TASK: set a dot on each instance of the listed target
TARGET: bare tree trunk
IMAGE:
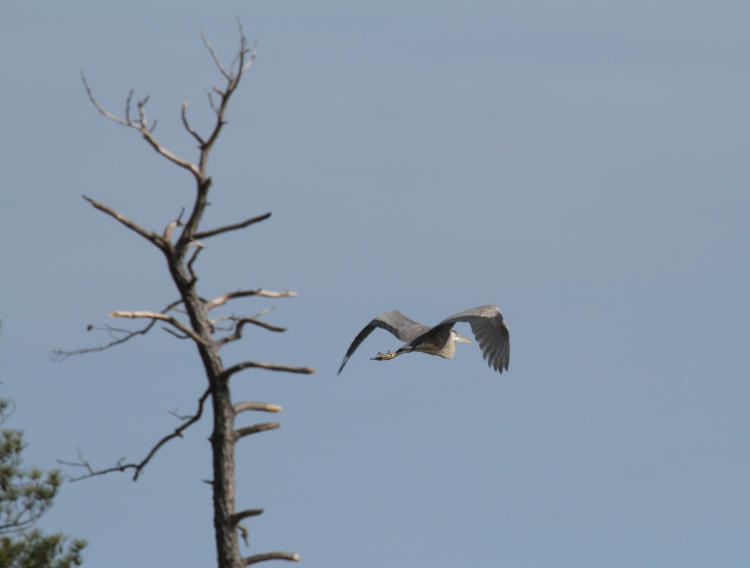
(222, 445)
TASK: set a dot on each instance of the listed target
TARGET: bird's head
(458, 338)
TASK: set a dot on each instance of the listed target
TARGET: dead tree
(190, 316)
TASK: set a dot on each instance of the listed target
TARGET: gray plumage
(486, 323)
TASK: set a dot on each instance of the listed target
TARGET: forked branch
(124, 335)
(163, 317)
(142, 126)
(172, 225)
(240, 323)
(240, 64)
(121, 466)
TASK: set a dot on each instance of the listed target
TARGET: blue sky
(582, 165)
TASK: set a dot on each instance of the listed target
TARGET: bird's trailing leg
(391, 354)
(383, 356)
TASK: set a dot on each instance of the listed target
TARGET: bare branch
(215, 57)
(237, 517)
(243, 51)
(262, 406)
(268, 366)
(120, 466)
(255, 428)
(157, 316)
(141, 105)
(148, 135)
(240, 322)
(261, 313)
(171, 227)
(142, 127)
(128, 99)
(291, 556)
(242, 225)
(109, 115)
(251, 59)
(91, 472)
(177, 432)
(212, 103)
(168, 230)
(60, 354)
(264, 325)
(223, 299)
(240, 57)
(233, 80)
(178, 335)
(198, 248)
(151, 236)
(186, 124)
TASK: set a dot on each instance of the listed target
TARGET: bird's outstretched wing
(394, 322)
(490, 331)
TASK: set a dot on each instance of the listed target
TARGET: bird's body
(486, 322)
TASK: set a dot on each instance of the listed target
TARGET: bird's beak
(462, 339)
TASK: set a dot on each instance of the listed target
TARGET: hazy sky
(583, 165)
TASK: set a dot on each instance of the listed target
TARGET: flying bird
(486, 322)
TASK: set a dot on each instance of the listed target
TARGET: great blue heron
(486, 322)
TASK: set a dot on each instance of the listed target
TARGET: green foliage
(34, 550)
(25, 495)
